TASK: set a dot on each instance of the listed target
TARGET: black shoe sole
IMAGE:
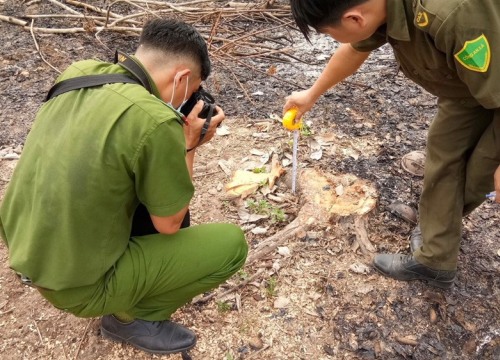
(107, 334)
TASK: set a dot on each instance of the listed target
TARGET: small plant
(305, 130)
(229, 356)
(277, 214)
(259, 207)
(223, 306)
(271, 286)
(242, 274)
(263, 207)
(259, 170)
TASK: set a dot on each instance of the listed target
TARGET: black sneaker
(405, 267)
(158, 337)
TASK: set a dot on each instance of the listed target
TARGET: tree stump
(327, 200)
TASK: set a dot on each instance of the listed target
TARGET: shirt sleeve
(162, 179)
(470, 37)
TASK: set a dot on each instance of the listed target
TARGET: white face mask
(185, 95)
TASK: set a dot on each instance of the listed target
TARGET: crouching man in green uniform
(93, 155)
(452, 49)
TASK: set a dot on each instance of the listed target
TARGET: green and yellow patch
(475, 55)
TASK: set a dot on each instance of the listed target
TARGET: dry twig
(38, 48)
(225, 26)
(234, 288)
(83, 338)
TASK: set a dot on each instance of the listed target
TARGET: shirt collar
(154, 89)
(397, 25)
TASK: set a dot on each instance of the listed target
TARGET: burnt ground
(307, 301)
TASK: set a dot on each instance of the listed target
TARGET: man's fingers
(196, 109)
(217, 119)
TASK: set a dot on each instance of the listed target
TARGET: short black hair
(317, 14)
(178, 38)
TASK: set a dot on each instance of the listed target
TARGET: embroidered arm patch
(475, 55)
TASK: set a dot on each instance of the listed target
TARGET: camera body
(208, 104)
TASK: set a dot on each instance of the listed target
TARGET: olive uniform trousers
(159, 273)
(463, 152)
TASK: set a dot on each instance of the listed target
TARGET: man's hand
(497, 184)
(302, 100)
(192, 130)
(343, 63)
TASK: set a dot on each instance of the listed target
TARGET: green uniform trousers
(159, 273)
(463, 152)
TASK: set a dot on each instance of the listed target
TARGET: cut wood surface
(325, 200)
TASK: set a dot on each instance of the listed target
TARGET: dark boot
(405, 267)
(159, 337)
(416, 240)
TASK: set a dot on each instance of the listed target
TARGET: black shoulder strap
(125, 61)
(139, 77)
(86, 82)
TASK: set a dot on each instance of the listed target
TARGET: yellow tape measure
(288, 120)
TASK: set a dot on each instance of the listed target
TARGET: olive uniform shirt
(451, 48)
(90, 158)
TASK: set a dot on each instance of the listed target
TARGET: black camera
(208, 104)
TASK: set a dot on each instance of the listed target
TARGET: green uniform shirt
(90, 158)
(449, 47)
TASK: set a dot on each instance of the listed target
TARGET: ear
(354, 18)
(182, 74)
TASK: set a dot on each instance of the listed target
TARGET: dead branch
(234, 288)
(38, 48)
(92, 8)
(64, 16)
(271, 243)
(83, 338)
(65, 7)
(225, 27)
(366, 246)
(238, 82)
(81, 29)
(258, 352)
(13, 20)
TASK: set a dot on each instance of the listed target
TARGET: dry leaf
(326, 139)
(359, 268)
(247, 217)
(245, 183)
(276, 170)
(271, 70)
(316, 155)
(284, 251)
(223, 130)
(281, 302)
(259, 230)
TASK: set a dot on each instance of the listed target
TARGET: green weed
(271, 286)
(223, 306)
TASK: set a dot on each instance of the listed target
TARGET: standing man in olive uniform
(451, 48)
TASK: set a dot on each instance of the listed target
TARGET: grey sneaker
(158, 337)
(405, 267)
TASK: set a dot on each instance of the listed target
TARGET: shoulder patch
(475, 55)
(422, 19)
